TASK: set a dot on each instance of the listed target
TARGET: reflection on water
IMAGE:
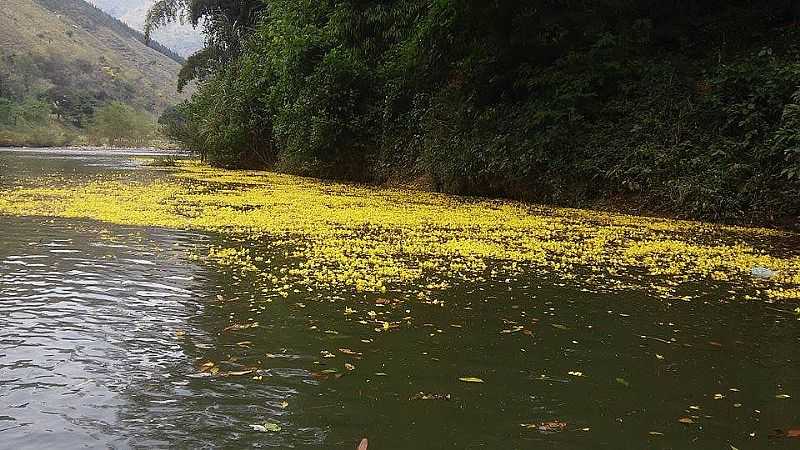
(113, 337)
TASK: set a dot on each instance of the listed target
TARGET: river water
(115, 337)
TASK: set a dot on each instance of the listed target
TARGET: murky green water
(107, 332)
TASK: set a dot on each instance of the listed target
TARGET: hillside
(182, 38)
(64, 59)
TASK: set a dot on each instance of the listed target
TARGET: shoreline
(98, 150)
(609, 205)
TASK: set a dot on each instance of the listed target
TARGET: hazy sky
(182, 38)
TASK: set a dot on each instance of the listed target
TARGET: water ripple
(88, 348)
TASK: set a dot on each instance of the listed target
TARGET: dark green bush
(689, 108)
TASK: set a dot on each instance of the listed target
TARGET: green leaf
(267, 427)
(471, 380)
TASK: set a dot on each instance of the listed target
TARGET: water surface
(117, 337)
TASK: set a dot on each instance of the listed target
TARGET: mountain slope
(182, 38)
(65, 52)
(65, 63)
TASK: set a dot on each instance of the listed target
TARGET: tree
(675, 103)
(227, 24)
(117, 124)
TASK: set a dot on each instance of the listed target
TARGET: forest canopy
(686, 107)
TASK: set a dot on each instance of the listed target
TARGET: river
(119, 336)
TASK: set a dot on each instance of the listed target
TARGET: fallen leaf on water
(789, 434)
(546, 427)
(349, 366)
(431, 396)
(471, 380)
(284, 404)
(239, 326)
(512, 330)
(347, 351)
(686, 420)
(199, 375)
(267, 427)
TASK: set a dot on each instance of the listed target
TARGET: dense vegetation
(45, 103)
(685, 107)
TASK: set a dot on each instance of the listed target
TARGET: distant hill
(182, 38)
(90, 16)
(64, 59)
(71, 46)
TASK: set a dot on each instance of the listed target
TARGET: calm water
(107, 332)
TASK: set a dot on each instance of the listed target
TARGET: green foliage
(51, 135)
(687, 107)
(786, 138)
(164, 161)
(226, 23)
(117, 124)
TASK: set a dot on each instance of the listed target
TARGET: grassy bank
(113, 125)
(44, 136)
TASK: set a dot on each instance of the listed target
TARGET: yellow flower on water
(293, 233)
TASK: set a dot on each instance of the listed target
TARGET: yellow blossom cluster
(336, 235)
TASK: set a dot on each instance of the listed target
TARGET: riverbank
(376, 240)
(89, 150)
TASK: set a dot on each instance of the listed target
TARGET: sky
(184, 39)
